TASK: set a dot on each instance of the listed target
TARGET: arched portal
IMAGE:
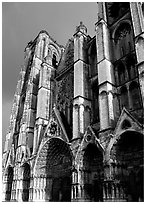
(127, 155)
(26, 182)
(55, 164)
(58, 169)
(93, 173)
(9, 183)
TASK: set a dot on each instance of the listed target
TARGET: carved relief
(64, 96)
(65, 89)
(52, 128)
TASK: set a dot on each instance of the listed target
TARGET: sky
(21, 23)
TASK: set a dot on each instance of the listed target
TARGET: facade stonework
(76, 126)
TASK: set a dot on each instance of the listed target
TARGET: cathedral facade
(76, 126)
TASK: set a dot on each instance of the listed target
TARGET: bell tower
(49, 52)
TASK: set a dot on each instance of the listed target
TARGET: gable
(127, 122)
(9, 158)
(55, 127)
(88, 138)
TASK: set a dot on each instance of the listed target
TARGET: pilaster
(81, 101)
(105, 71)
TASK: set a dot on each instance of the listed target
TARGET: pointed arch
(54, 162)
(54, 60)
(126, 154)
(131, 66)
(121, 72)
(89, 166)
(95, 101)
(9, 181)
(123, 29)
(123, 39)
(124, 97)
(92, 58)
(135, 95)
(93, 173)
(26, 182)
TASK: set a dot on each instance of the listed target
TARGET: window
(131, 68)
(124, 97)
(9, 175)
(26, 182)
(123, 39)
(121, 73)
(93, 59)
(142, 7)
(54, 61)
(43, 48)
(95, 102)
(135, 95)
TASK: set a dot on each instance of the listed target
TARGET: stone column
(113, 190)
(48, 189)
(74, 186)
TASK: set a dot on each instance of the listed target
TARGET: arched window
(54, 61)
(123, 31)
(9, 183)
(142, 7)
(131, 67)
(135, 95)
(124, 97)
(121, 73)
(93, 59)
(43, 47)
(123, 39)
(95, 102)
(26, 182)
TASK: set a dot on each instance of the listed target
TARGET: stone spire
(81, 28)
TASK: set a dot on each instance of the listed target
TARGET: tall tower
(33, 102)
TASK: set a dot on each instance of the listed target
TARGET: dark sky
(21, 23)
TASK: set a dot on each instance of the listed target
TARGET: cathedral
(76, 126)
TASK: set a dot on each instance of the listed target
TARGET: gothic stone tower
(76, 127)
